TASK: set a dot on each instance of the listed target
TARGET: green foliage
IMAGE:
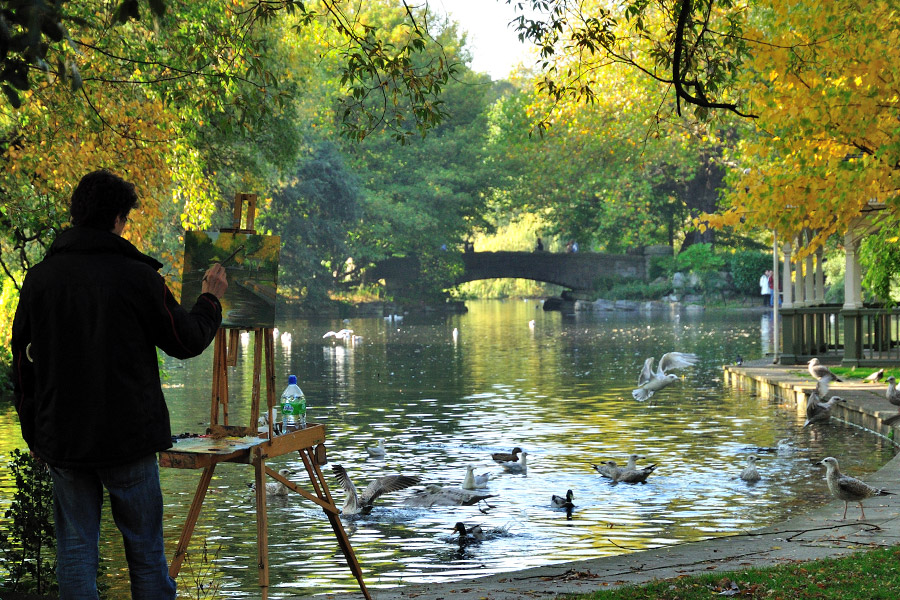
(28, 547)
(746, 267)
(637, 290)
(699, 259)
(879, 254)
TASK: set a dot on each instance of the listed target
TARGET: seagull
(875, 377)
(610, 468)
(633, 475)
(893, 394)
(286, 337)
(516, 468)
(560, 502)
(376, 451)
(356, 503)
(818, 411)
(820, 372)
(650, 381)
(507, 457)
(750, 474)
(468, 535)
(438, 495)
(276, 488)
(343, 334)
(473, 481)
(849, 489)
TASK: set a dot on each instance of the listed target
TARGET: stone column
(787, 284)
(820, 276)
(852, 273)
(809, 281)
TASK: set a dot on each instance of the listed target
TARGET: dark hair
(99, 198)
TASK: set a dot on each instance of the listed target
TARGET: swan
(650, 381)
(437, 495)
(356, 503)
(473, 481)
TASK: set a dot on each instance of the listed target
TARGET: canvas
(251, 264)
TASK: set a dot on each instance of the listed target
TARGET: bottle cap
(292, 380)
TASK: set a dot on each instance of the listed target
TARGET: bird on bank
(874, 377)
(893, 394)
(437, 495)
(822, 374)
(849, 489)
(516, 468)
(376, 451)
(750, 474)
(473, 481)
(512, 456)
(563, 502)
(818, 411)
(468, 535)
(650, 381)
(356, 503)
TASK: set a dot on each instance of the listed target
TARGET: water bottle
(293, 405)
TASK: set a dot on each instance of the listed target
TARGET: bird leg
(862, 511)
(845, 511)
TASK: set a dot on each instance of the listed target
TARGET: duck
(468, 535)
(437, 495)
(562, 502)
(356, 503)
(893, 394)
(376, 451)
(650, 381)
(750, 474)
(511, 456)
(516, 468)
(849, 489)
(473, 481)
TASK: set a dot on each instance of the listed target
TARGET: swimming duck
(516, 468)
(507, 457)
(376, 451)
(650, 381)
(560, 502)
(356, 503)
(750, 474)
(468, 535)
(438, 495)
(473, 481)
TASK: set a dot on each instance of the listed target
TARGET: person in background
(87, 389)
(764, 289)
(569, 246)
(539, 246)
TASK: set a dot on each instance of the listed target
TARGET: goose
(893, 394)
(356, 503)
(473, 481)
(275, 488)
(516, 468)
(376, 451)
(818, 411)
(849, 489)
(634, 475)
(437, 495)
(650, 381)
(511, 456)
(750, 474)
(562, 502)
(468, 535)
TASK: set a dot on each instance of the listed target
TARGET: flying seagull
(356, 503)
(437, 495)
(651, 381)
(893, 394)
(849, 489)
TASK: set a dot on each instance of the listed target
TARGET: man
(764, 289)
(88, 394)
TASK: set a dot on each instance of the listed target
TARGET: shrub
(746, 268)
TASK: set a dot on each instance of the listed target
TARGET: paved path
(817, 534)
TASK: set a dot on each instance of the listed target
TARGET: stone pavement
(817, 534)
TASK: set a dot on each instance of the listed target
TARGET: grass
(851, 373)
(871, 574)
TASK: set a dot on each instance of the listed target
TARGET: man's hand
(215, 282)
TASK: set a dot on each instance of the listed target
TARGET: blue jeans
(136, 502)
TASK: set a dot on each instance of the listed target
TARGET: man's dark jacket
(85, 368)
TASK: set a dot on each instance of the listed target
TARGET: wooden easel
(244, 444)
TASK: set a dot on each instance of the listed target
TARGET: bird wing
(351, 503)
(854, 489)
(647, 372)
(388, 483)
(676, 360)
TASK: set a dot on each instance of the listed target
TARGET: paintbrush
(227, 259)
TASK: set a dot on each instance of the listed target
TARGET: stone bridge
(580, 272)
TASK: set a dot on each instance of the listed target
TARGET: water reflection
(513, 375)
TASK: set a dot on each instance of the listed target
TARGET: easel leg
(188, 530)
(317, 480)
(262, 524)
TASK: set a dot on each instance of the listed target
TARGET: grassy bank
(872, 574)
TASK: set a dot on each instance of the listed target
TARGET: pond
(444, 392)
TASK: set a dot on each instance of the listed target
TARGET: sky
(495, 48)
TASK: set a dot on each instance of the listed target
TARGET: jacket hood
(84, 240)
